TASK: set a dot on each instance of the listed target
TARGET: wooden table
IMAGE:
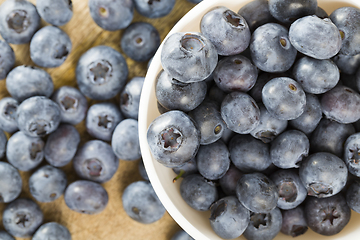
(112, 223)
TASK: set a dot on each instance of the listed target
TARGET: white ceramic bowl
(194, 222)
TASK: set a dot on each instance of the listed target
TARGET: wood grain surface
(112, 223)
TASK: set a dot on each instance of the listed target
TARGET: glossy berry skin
(229, 218)
(125, 140)
(346, 63)
(257, 192)
(3, 143)
(173, 138)
(188, 168)
(101, 73)
(55, 12)
(102, 119)
(347, 20)
(154, 8)
(175, 95)
(181, 235)
(8, 107)
(141, 203)
(270, 48)
(140, 41)
(86, 197)
(73, 104)
(294, 223)
(47, 183)
(352, 196)
(289, 149)
(311, 116)
(235, 73)
(288, 11)
(5, 236)
(10, 183)
(229, 181)
(112, 15)
(290, 188)
(269, 126)
(19, 21)
(22, 217)
(188, 57)
(264, 226)
(7, 59)
(316, 76)
(24, 152)
(341, 104)
(142, 170)
(284, 98)
(38, 116)
(52, 230)
(231, 33)
(95, 161)
(240, 112)
(249, 154)
(323, 174)
(351, 153)
(323, 41)
(61, 145)
(130, 97)
(198, 192)
(38, 83)
(327, 216)
(209, 121)
(50, 47)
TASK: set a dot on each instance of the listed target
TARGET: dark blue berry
(8, 107)
(130, 97)
(7, 59)
(55, 12)
(10, 183)
(287, 11)
(154, 8)
(294, 223)
(52, 230)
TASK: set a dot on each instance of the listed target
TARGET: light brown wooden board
(112, 223)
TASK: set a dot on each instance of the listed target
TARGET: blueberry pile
(39, 120)
(260, 115)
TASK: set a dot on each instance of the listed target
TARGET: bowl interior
(194, 222)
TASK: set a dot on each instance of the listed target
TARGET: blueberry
(86, 197)
(10, 183)
(186, 169)
(327, 216)
(19, 21)
(101, 73)
(188, 57)
(316, 76)
(181, 235)
(5, 236)
(112, 15)
(47, 183)
(264, 226)
(38, 116)
(257, 192)
(52, 230)
(229, 181)
(3, 143)
(173, 138)
(198, 192)
(140, 40)
(7, 59)
(284, 98)
(49, 47)
(323, 174)
(227, 30)
(235, 73)
(346, 63)
(290, 188)
(95, 161)
(38, 83)
(289, 149)
(249, 154)
(347, 20)
(351, 153)
(141, 203)
(102, 119)
(294, 223)
(240, 112)
(352, 196)
(154, 8)
(55, 12)
(271, 50)
(125, 140)
(61, 145)
(8, 107)
(130, 97)
(22, 217)
(175, 95)
(289, 10)
(73, 104)
(322, 41)
(229, 218)
(24, 152)
(142, 170)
